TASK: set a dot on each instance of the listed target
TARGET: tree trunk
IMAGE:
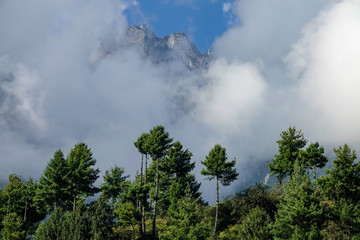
(217, 206)
(141, 189)
(144, 198)
(314, 172)
(8, 207)
(156, 197)
(26, 206)
(74, 204)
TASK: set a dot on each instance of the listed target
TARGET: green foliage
(341, 187)
(255, 226)
(299, 214)
(159, 142)
(12, 227)
(289, 146)
(142, 144)
(54, 189)
(184, 222)
(343, 179)
(82, 175)
(313, 157)
(216, 166)
(128, 215)
(114, 183)
(14, 193)
(101, 220)
(63, 225)
(178, 161)
(235, 208)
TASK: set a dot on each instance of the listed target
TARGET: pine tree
(142, 144)
(159, 144)
(299, 214)
(114, 184)
(313, 157)
(101, 220)
(341, 186)
(255, 226)
(82, 175)
(290, 144)
(14, 193)
(178, 163)
(216, 166)
(12, 227)
(54, 189)
(184, 222)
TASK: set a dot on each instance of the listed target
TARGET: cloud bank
(282, 63)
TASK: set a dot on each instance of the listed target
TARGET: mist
(283, 63)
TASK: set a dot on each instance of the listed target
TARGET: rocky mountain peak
(173, 47)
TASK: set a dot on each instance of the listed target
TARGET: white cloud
(227, 7)
(233, 96)
(243, 101)
(325, 64)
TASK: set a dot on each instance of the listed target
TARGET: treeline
(163, 201)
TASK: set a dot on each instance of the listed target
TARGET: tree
(255, 226)
(299, 214)
(114, 184)
(184, 222)
(159, 143)
(128, 215)
(290, 144)
(12, 227)
(178, 163)
(14, 192)
(82, 175)
(54, 189)
(258, 195)
(142, 144)
(64, 225)
(31, 215)
(216, 166)
(101, 220)
(52, 227)
(341, 186)
(313, 157)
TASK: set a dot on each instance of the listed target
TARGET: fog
(281, 64)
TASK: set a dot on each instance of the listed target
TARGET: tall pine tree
(159, 144)
(54, 189)
(82, 175)
(216, 166)
(290, 145)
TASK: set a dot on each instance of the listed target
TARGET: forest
(163, 201)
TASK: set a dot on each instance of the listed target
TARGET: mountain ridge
(173, 47)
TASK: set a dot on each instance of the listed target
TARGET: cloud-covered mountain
(285, 63)
(169, 48)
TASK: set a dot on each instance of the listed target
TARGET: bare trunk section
(25, 211)
(8, 206)
(156, 197)
(141, 188)
(314, 172)
(144, 199)
(217, 207)
(74, 204)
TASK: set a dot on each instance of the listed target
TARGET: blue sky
(201, 20)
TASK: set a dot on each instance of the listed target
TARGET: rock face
(173, 47)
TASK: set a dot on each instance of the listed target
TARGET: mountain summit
(174, 47)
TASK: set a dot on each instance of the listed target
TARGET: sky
(275, 64)
(201, 20)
